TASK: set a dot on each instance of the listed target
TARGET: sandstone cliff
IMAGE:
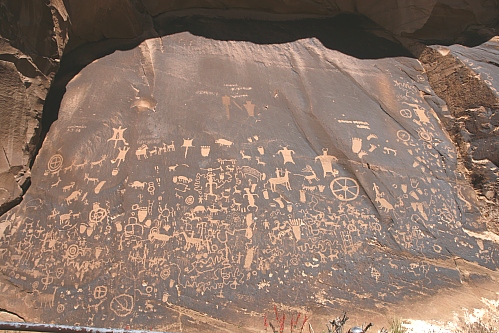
(209, 163)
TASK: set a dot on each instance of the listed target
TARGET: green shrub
(396, 326)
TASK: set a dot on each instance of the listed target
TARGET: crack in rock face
(225, 177)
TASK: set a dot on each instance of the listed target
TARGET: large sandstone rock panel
(190, 175)
(34, 36)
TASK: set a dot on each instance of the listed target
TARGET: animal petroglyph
(224, 143)
(75, 195)
(56, 183)
(244, 156)
(380, 200)
(99, 162)
(280, 180)
(137, 185)
(311, 177)
(90, 179)
(142, 152)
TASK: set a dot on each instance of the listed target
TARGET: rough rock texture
(26, 68)
(212, 170)
(35, 34)
(466, 78)
(233, 167)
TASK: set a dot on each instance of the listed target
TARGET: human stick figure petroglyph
(226, 103)
(187, 144)
(121, 156)
(287, 155)
(327, 163)
(118, 136)
(251, 198)
(250, 108)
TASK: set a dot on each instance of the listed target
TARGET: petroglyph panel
(188, 177)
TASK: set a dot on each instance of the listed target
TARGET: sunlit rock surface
(195, 174)
(34, 36)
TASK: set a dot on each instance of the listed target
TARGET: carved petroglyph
(142, 152)
(121, 156)
(55, 163)
(75, 195)
(287, 155)
(118, 136)
(232, 214)
(280, 180)
(381, 201)
(311, 176)
(224, 143)
(344, 188)
(327, 163)
(187, 144)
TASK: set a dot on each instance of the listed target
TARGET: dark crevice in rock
(350, 34)
(447, 25)
(9, 205)
(23, 65)
(472, 121)
(11, 313)
(336, 33)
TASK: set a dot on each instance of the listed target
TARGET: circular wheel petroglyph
(97, 215)
(189, 200)
(72, 251)
(425, 136)
(55, 163)
(165, 273)
(406, 113)
(345, 188)
(403, 135)
(100, 292)
(122, 305)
